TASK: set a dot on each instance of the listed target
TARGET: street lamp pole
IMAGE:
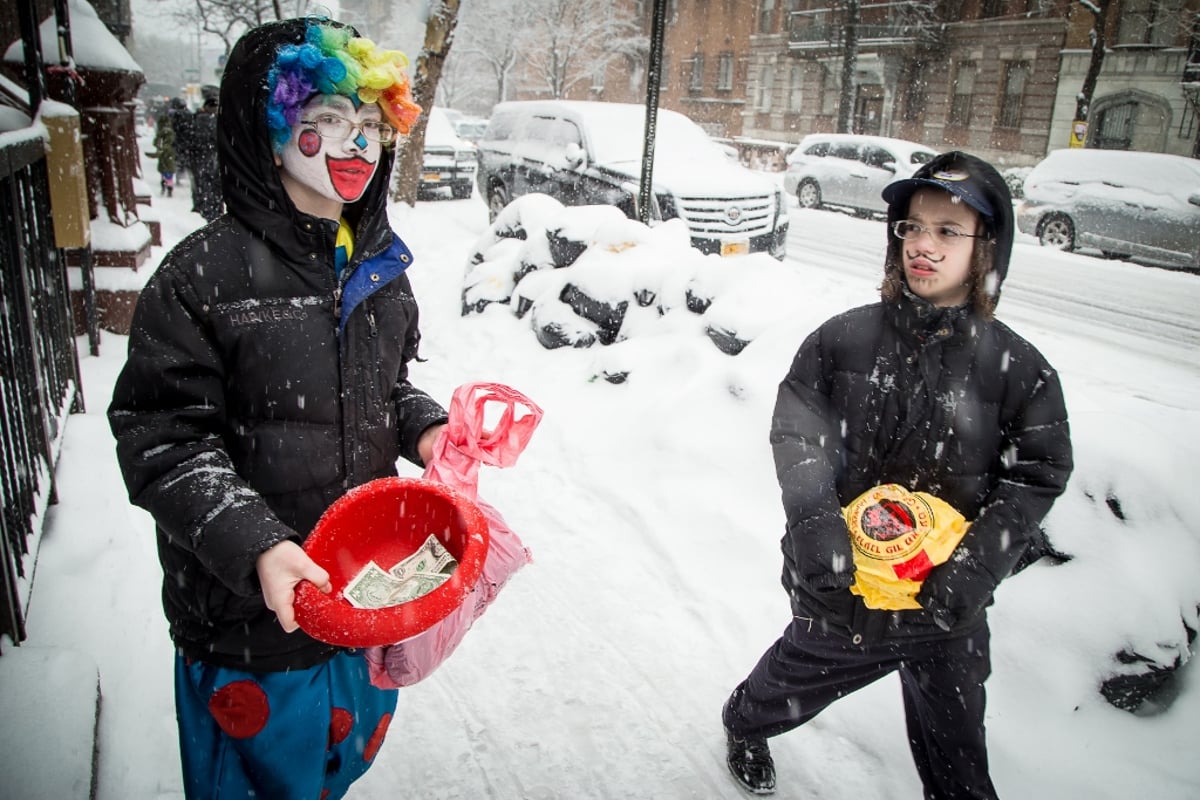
(653, 83)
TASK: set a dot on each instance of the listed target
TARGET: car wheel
(1058, 232)
(497, 200)
(809, 194)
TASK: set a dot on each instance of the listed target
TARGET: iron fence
(39, 367)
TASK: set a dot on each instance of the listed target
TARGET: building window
(725, 72)
(914, 103)
(1016, 77)
(831, 88)
(696, 79)
(963, 91)
(635, 68)
(766, 16)
(1148, 22)
(766, 85)
(796, 88)
(991, 8)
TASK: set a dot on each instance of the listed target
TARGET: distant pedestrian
(164, 146)
(181, 123)
(206, 192)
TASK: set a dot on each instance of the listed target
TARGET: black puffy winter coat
(259, 387)
(937, 400)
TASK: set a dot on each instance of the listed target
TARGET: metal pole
(653, 82)
(31, 38)
(845, 120)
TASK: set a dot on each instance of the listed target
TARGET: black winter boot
(750, 763)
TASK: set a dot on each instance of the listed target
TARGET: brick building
(997, 77)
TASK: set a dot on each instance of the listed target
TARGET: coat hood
(975, 182)
(250, 181)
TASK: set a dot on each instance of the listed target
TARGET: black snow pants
(810, 666)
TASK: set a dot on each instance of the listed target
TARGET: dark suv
(585, 153)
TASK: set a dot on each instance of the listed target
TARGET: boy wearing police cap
(927, 391)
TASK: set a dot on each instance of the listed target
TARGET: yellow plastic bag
(898, 537)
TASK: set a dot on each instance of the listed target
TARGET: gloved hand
(956, 592)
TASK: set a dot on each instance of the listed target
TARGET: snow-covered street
(653, 515)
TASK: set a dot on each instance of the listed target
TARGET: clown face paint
(321, 174)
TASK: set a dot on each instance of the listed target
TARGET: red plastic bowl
(384, 521)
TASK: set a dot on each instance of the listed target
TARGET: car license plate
(431, 177)
(735, 248)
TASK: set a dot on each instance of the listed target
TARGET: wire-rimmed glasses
(335, 126)
(950, 235)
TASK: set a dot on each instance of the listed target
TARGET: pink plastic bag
(460, 448)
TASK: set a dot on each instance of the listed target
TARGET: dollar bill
(417, 575)
(430, 557)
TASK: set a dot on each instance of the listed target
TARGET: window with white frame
(696, 78)
(796, 88)
(725, 72)
(766, 85)
(831, 87)
(766, 16)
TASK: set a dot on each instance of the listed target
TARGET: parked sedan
(849, 170)
(449, 161)
(1144, 206)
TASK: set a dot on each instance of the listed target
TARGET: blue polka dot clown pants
(299, 735)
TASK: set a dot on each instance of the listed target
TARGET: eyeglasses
(332, 126)
(941, 234)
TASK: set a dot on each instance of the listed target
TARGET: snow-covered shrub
(589, 274)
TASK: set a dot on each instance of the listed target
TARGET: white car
(1144, 206)
(850, 171)
(449, 162)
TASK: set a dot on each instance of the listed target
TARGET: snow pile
(586, 275)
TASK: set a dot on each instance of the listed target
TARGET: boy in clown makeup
(267, 375)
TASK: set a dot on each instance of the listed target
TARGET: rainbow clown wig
(334, 61)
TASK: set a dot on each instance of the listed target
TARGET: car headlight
(461, 156)
(666, 206)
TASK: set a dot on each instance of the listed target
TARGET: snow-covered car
(589, 153)
(849, 170)
(470, 129)
(1144, 206)
(449, 161)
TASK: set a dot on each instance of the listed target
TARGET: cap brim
(900, 192)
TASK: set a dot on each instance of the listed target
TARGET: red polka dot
(324, 794)
(340, 723)
(308, 143)
(240, 708)
(376, 740)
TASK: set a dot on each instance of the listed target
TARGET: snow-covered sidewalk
(653, 515)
